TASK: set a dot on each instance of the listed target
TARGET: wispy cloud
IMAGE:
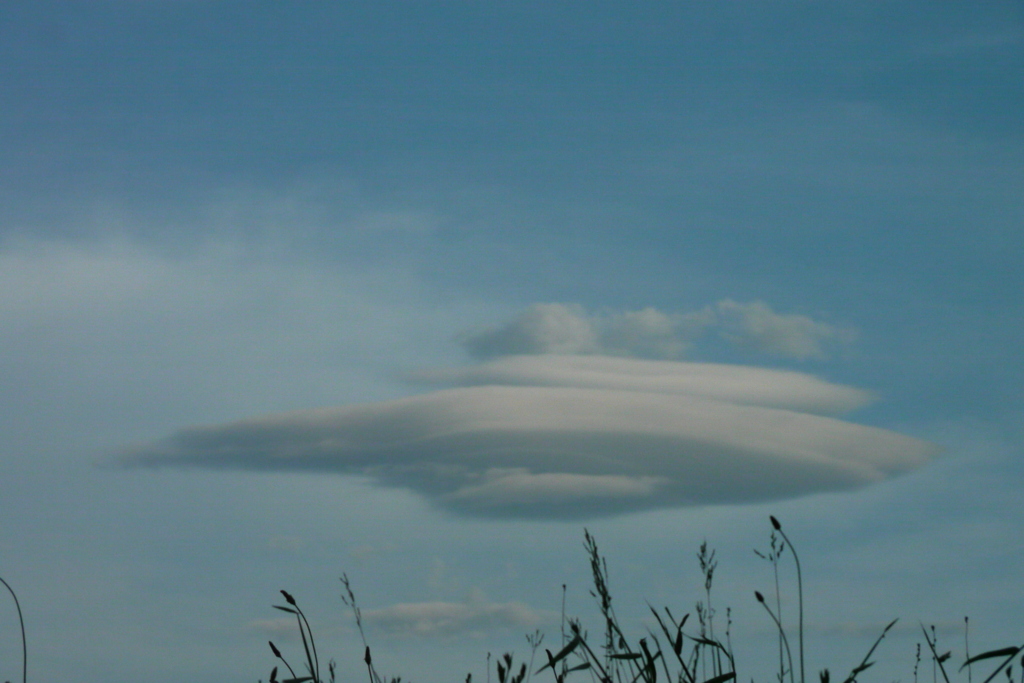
(576, 437)
(222, 328)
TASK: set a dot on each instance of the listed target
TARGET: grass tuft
(687, 656)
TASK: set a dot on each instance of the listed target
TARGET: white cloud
(557, 328)
(576, 450)
(474, 617)
(757, 326)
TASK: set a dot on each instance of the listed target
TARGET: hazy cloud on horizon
(474, 616)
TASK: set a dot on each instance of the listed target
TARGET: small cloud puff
(556, 328)
(474, 617)
(575, 437)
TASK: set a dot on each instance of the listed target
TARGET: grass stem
(800, 592)
(24, 643)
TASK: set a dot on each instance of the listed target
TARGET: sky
(416, 292)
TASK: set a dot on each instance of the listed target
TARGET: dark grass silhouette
(24, 643)
(673, 654)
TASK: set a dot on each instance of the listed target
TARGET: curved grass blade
(1010, 652)
(722, 678)
(1006, 662)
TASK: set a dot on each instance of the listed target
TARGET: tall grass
(671, 653)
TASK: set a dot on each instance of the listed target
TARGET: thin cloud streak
(475, 617)
(571, 452)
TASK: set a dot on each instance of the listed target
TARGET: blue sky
(408, 213)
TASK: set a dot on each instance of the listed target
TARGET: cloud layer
(575, 437)
(731, 383)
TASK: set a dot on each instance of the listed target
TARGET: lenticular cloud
(575, 437)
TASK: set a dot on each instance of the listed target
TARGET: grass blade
(722, 678)
(562, 654)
